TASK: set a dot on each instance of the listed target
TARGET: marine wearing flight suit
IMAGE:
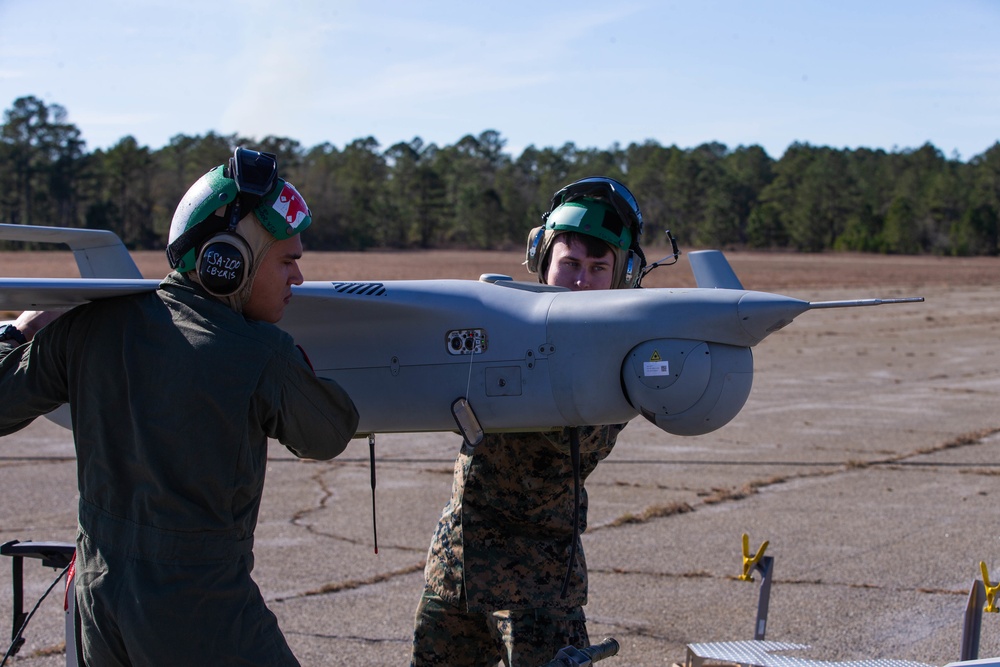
(173, 397)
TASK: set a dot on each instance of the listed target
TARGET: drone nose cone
(761, 314)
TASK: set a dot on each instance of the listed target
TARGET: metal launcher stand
(757, 562)
(758, 652)
(765, 565)
(982, 598)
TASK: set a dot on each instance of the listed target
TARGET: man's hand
(30, 321)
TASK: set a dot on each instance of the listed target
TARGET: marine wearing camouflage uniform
(500, 552)
(495, 570)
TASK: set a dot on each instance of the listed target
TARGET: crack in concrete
(648, 513)
(717, 496)
(326, 493)
(708, 498)
(702, 574)
(351, 638)
(724, 495)
(352, 584)
(17, 460)
(46, 651)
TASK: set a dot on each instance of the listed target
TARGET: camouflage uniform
(173, 398)
(499, 555)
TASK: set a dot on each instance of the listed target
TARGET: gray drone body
(516, 356)
(528, 357)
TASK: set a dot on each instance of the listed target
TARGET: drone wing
(106, 269)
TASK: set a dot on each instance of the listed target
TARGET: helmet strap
(193, 236)
(233, 214)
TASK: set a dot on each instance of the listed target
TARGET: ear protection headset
(533, 258)
(203, 233)
(583, 206)
(634, 263)
(224, 263)
(225, 260)
(539, 247)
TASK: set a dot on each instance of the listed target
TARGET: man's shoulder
(218, 318)
(270, 334)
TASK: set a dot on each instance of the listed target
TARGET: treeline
(474, 195)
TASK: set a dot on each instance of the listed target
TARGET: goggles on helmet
(605, 189)
(254, 172)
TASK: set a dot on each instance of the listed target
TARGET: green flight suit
(173, 397)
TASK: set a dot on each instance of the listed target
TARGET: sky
(889, 74)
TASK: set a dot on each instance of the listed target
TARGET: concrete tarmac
(867, 456)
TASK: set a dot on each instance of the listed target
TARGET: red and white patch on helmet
(291, 206)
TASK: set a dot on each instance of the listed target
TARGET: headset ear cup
(640, 266)
(631, 269)
(224, 264)
(635, 262)
(533, 256)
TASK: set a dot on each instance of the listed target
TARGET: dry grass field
(765, 271)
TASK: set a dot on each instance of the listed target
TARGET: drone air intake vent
(362, 289)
